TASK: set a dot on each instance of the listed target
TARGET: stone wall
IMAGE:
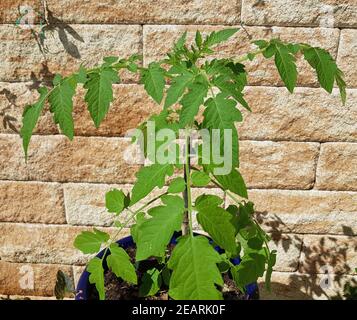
(298, 152)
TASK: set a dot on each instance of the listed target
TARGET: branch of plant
(188, 182)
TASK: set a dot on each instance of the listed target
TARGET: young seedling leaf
(151, 283)
(217, 37)
(114, 201)
(164, 221)
(285, 63)
(30, 118)
(134, 230)
(195, 272)
(153, 79)
(95, 268)
(191, 102)
(90, 242)
(99, 93)
(61, 105)
(221, 113)
(119, 262)
(249, 270)
(324, 65)
(148, 178)
(200, 179)
(177, 185)
(341, 85)
(233, 182)
(219, 223)
(177, 88)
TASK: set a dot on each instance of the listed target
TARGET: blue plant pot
(84, 287)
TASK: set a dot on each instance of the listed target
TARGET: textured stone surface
(306, 115)
(64, 50)
(326, 13)
(31, 202)
(283, 165)
(147, 11)
(299, 286)
(306, 211)
(35, 243)
(337, 167)
(288, 247)
(30, 279)
(85, 203)
(159, 39)
(337, 254)
(55, 158)
(347, 55)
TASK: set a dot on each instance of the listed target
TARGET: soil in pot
(117, 289)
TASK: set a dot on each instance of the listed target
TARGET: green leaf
(195, 272)
(233, 182)
(155, 233)
(221, 114)
(153, 79)
(134, 230)
(110, 60)
(218, 222)
(151, 283)
(245, 212)
(200, 179)
(191, 102)
(166, 275)
(30, 118)
(285, 63)
(271, 263)
(219, 36)
(198, 39)
(261, 43)
(324, 65)
(57, 79)
(119, 262)
(61, 105)
(99, 93)
(177, 88)
(114, 201)
(341, 85)
(148, 178)
(95, 268)
(249, 270)
(177, 185)
(90, 242)
(181, 41)
(81, 76)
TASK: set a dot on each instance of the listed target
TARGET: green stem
(188, 181)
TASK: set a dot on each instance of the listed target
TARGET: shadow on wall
(309, 282)
(64, 30)
(45, 76)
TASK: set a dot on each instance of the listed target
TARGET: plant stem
(187, 220)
